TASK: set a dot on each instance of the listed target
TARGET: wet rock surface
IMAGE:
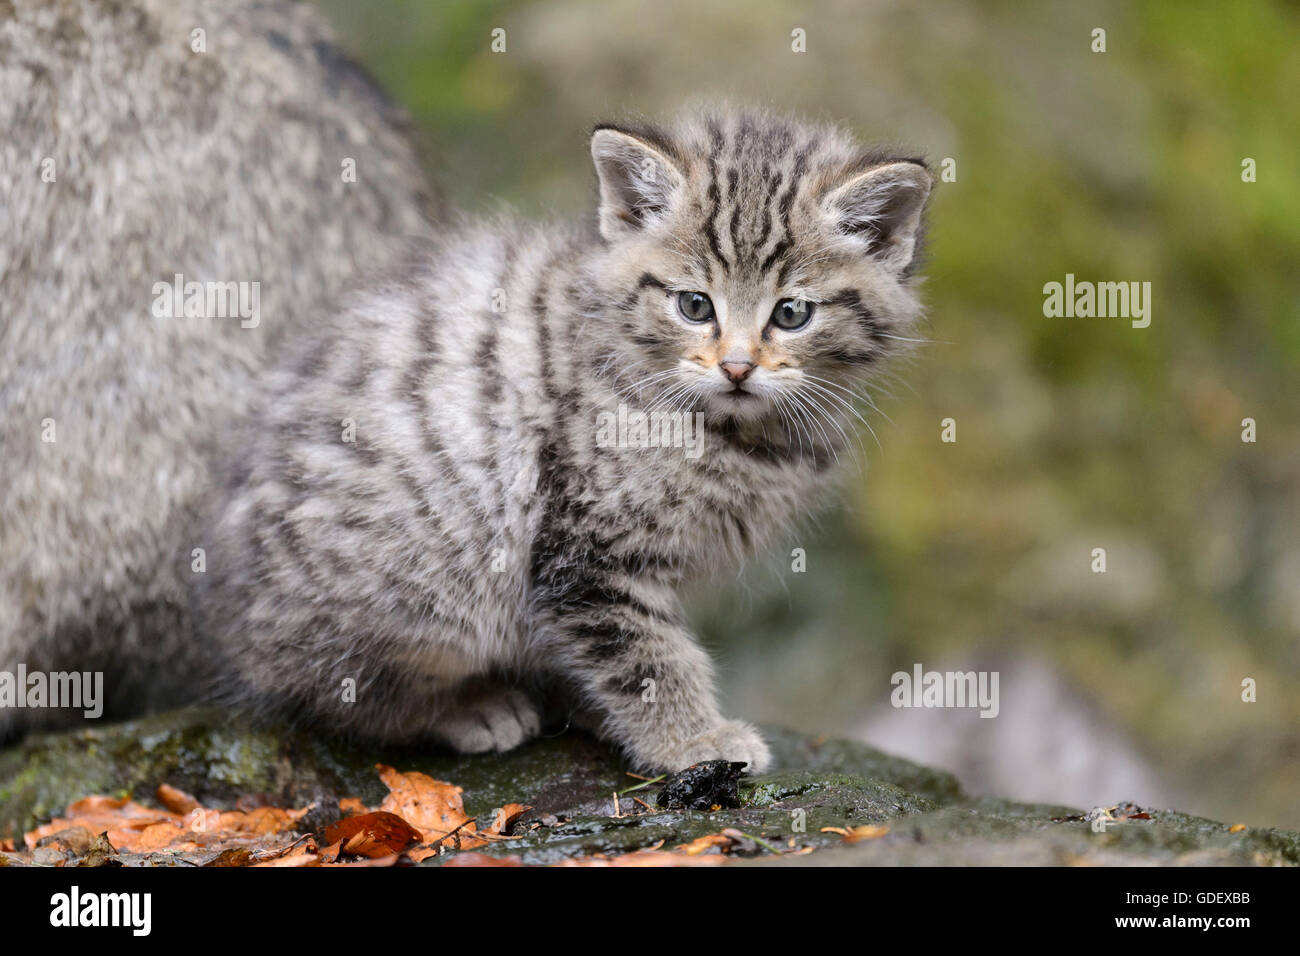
(846, 802)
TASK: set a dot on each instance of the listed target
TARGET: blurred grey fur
(224, 166)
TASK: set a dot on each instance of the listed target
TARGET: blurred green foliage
(1072, 433)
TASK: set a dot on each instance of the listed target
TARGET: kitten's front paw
(734, 740)
(498, 719)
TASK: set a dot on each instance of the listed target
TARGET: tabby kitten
(423, 529)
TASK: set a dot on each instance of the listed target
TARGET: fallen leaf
(506, 817)
(175, 800)
(351, 806)
(433, 807)
(100, 853)
(331, 853)
(75, 840)
(417, 854)
(858, 834)
(235, 856)
(704, 844)
(197, 834)
(300, 856)
(259, 822)
(377, 834)
(158, 835)
(122, 819)
(96, 803)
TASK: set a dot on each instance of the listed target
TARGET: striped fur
(475, 544)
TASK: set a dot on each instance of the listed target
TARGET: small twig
(642, 786)
(644, 804)
(761, 842)
(634, 776)
(437, 844)
(617, 811)
(280, 851)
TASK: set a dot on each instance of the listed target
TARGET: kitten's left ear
(637, 181)
(882, 207)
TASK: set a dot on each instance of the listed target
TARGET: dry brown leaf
(506, 817)
(235, 856)
(122, 819)
(704, 844)
(433, 807)
(418, 853)
(858, 834)
(176, 800)
(330, 854)
(97, 804)
(351, 806)
(157, 836)
(301, 855)
(75, 840)
(131, 827)
(262, 821)
(376, 834)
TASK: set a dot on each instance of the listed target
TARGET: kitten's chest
(708, 511)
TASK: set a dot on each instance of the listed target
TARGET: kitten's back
(224, 165)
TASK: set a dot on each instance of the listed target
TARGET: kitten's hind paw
(733, 740)
(493, 719)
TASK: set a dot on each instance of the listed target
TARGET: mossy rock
(570, 781)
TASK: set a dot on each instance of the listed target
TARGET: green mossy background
(1072, 433)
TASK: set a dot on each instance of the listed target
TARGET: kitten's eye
(695, 306)
(792, 314)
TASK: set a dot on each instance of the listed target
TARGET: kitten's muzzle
(736, 372)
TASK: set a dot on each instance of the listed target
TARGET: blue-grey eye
(792, 314)
(695, 306)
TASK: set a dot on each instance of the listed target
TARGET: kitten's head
(757, 266)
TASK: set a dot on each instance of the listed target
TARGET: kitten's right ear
(637, 181)
(882, 208)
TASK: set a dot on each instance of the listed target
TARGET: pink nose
(736, 371)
